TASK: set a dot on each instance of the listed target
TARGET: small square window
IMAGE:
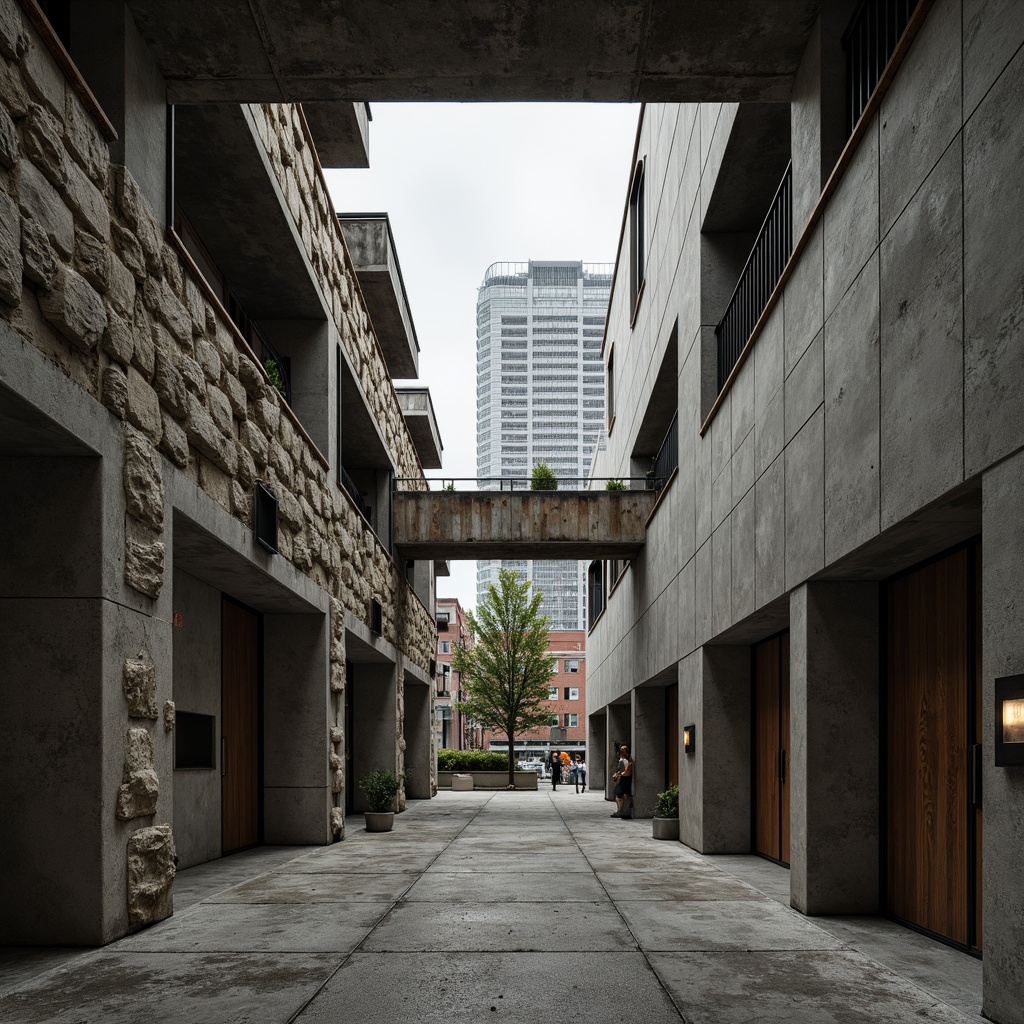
(552, 693)
(446, 647)
(572, 664)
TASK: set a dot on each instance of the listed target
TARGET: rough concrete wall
(1003, 814)
(845, 420)
(196, 688)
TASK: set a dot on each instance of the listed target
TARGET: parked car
(533, 766)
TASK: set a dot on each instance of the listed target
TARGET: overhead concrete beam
(251, 51)
(529, 524)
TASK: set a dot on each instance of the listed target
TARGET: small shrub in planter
(666, 814)
(381, 788)
(544, 478)
(615, 485)
(667, 803)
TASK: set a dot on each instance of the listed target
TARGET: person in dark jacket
(556, 768)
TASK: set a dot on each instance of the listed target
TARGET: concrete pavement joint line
(640, 949)
(348, 956)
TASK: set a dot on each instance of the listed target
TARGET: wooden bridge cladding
(528, 524)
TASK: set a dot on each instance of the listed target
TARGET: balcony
(764, 266)
(418, 411)
(372, 249)
(340, 132)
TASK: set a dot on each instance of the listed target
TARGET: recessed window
(572, 665)
(446, 647)
(570, 721)
(571, 693)
(552, 693)
(637, 236)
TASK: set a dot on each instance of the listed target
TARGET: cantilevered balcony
(418, 410)
(372, 248)
(521, 523)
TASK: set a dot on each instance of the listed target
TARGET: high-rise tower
(540, 397)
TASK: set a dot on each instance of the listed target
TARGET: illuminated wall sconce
(689, 738)
(1009, 747)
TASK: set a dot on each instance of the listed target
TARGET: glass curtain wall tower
(540, 397)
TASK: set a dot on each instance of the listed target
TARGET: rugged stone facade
(90, 278)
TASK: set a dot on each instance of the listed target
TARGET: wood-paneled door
(672, 735)
(932, 847)
(239, 726)
(771, 748)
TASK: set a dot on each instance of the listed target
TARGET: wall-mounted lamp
(1009, 747)
(689, 738)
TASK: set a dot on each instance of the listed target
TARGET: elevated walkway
(521, 523)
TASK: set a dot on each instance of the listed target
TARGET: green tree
(507, 671)
(544, 478)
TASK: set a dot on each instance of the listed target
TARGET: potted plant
(615, 485)
(381, 788)
(666, 814)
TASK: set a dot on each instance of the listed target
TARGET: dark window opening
(637, 237)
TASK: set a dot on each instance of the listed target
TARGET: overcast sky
(467, 185)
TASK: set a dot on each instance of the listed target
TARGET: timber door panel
(771, 748)
(926, 699)
(239, 727)
(784, 748)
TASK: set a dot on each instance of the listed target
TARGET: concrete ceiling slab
(24, 430)
(231, 202)
(483, 50)
(204, 556)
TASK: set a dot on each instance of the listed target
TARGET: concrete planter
(462, 783)
(379, 821)
(487, 780)
(666, 828)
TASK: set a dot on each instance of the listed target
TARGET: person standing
(623, 785)
(556, 768)
(581, 773)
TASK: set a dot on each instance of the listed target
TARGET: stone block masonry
(90, 279)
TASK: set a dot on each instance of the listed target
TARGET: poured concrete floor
(494, 906)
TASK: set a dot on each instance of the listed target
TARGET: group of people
(623, 778)
(577, 770)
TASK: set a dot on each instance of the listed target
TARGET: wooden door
(926, 757)
(771, 748)
(672, 735)
(239, 727)
(784, 748)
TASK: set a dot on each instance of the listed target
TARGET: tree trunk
(511, 758)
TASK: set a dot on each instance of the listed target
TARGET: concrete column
(648, 748)
(417, 730)
(374, 736)
(620, 730)
(834, 748)
(1003, 833)
(296, 730)
(817, 113)
(597, 744)
(722, 745)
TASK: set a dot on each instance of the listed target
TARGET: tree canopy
(507, 671)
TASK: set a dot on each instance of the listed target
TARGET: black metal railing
(869, 41)
(760, 275)
(666, 462)
(520, 483)
(356, 495)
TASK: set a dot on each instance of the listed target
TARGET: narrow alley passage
(521, 907)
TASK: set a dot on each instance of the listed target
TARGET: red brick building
(567, 703)
(452, 729)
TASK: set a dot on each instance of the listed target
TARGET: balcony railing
(666, 462)
(760, 275)
(278, 367)
(869, 41)
(356, 495)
